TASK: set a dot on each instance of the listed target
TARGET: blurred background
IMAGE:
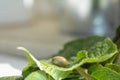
(43, 26)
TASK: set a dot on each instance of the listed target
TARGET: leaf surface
(103, 73)
(38, 75)
(99, 48)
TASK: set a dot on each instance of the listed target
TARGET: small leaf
(81, 55)
(29, 69)
(114, 67)
(104, 73)
(38, 75)
(94, 68)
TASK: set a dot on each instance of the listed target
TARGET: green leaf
(104, 73)
(111, 60)
(56, 72)
(117, 36)
(117, 42)
(117, 60)
(29, 57)
(74, 75)
(99, 48)
(94, 68)
(29, 69)
(59, 73)
(11, 78)
(38, 75)
(75, 79)
(90, 50)
(81, 55)
(32, 66)
(114, 67)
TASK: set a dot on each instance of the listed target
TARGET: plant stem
(84, 74)
(48, 77)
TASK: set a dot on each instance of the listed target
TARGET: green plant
(91, 58)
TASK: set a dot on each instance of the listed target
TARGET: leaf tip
(20, 48)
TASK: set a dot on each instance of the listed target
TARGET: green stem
(48, 77)
(84, 74)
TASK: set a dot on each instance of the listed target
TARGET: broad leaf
(56, 72)
(98, 48)
(103, 73)
(90, 50)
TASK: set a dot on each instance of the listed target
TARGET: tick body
(60, 61)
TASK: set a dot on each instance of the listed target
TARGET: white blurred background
(43, 26)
